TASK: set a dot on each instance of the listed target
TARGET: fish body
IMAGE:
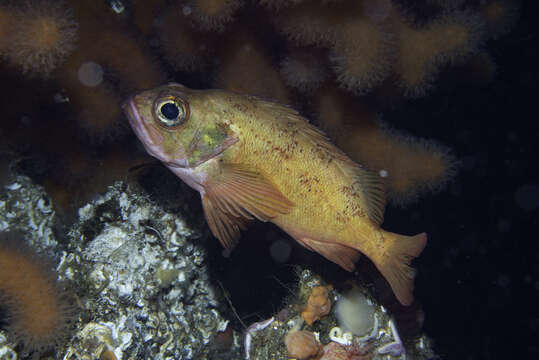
(255, 159)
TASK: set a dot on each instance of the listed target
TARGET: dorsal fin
(366, 182)
(239, 193)
(374, 194)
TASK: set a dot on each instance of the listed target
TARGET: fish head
(181, 127)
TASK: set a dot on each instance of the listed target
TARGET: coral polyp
(41, 35)
(185, 48)
(424, 49)
(364, 54)
(303, 70)
(210, 14)
(38, 313)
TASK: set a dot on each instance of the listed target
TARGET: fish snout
(131, 112)
(128, 108)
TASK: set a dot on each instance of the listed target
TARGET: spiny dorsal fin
(238, 194)
(366, 182)
(374, 194)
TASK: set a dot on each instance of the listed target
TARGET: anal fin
(341, 255)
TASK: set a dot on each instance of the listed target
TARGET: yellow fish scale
(307, 175)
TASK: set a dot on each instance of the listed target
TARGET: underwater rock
(26, 208)
(140, 277)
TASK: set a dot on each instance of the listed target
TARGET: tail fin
(394, 263)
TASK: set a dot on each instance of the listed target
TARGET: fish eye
(171, 112)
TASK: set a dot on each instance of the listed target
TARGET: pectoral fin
(341, 255)
(223, 226)
(238, 194)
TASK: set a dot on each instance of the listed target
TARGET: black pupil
(170, 111)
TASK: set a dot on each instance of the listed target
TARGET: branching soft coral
(37, 35)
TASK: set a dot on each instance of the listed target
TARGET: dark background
(479, 276)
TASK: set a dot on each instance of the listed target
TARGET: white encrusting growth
(257, 326)
(344, 338)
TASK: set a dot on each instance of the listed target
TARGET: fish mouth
(130, 110)
(137, 124)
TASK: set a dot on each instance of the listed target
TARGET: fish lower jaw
(195, 179)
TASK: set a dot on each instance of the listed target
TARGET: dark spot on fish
(240, 107)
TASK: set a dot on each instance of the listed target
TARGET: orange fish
(254, 159)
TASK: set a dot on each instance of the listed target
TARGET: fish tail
(394, 263)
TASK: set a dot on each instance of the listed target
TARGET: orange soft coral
(38, 313)
(246, 68)
(318, 305)
(39, 35)
(423, 50)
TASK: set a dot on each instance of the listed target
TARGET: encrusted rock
(138, 272)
